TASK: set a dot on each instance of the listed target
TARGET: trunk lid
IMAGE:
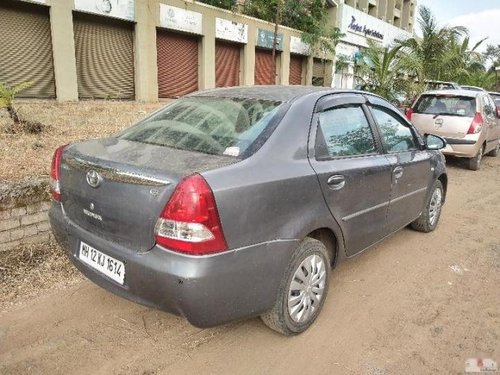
(443, 125)
(133, 183)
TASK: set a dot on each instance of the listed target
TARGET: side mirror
(434, 142)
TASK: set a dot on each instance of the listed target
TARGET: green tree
(341, 64)
(309, 16)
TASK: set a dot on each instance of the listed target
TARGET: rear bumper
(207, 290)
(462, 147)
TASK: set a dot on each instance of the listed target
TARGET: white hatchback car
(466, 119)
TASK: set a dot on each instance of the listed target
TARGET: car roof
(274, 92)
(494, 93)
(473, 87)
(433, 81)
(457, 92)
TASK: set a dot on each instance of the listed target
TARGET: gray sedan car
(233, 203)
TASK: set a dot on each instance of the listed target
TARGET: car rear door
(411, 165)
(354, 174)
(491, 121)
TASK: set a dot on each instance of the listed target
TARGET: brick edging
(24, 213)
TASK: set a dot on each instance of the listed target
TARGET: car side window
(397, 136)
(344, 131)
(488, 108)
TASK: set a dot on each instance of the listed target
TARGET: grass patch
(29, 269)
(28, 153)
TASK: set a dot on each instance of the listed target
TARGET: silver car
(467, 119)
(234, 203)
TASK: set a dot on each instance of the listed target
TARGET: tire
(475, 162)
(429, 218)
(495, 151)
(291, 316)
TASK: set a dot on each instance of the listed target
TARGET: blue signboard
(265, 39)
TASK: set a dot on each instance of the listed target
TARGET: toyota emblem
(94, 179)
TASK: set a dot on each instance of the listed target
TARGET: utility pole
(275, 40)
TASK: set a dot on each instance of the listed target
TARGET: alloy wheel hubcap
(306, 288)
(435, 206)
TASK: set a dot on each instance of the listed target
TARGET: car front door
(411, 166)
(354, 174)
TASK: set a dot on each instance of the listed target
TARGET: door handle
(336, 182)
(398, 172)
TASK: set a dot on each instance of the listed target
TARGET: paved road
(415, 304)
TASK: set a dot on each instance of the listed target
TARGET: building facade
(151, 49)
(382, 21)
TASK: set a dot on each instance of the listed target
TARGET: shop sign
(229, 30)
(181, 19)
(298, 46)
(265, 39)
(124, 9)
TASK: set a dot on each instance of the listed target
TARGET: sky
(481, 17)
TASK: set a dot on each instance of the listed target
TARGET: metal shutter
(264, 67)
(295, 70)
(177, 64)
(26, 49)
(318, 78)
(227, 64)
(104, 57)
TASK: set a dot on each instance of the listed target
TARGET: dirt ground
(415, 304)
(26, 155)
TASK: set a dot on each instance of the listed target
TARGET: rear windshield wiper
(446, 114)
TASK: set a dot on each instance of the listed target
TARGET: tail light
(55, 174)
(409, 113)
(190, 221)
(477, 124)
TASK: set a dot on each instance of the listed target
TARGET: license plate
(111, 267)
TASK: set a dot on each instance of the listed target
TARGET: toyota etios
(233, 203)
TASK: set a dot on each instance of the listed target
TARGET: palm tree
(379, 69)
(460, 60)
(426, 57)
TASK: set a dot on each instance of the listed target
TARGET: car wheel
(475, 162)
(429, 218)
(302, 291)
(495, 151)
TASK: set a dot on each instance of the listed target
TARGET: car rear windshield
(212, 125)
(450, 105)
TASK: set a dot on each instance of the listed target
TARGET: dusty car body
(218, 218)
(467, 119)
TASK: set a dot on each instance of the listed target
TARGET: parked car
(466, 119)
(441, 85)
(237, 202)
(496, 98)
(472, 88)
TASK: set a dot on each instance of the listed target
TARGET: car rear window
(450, 105)
(212, 125)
